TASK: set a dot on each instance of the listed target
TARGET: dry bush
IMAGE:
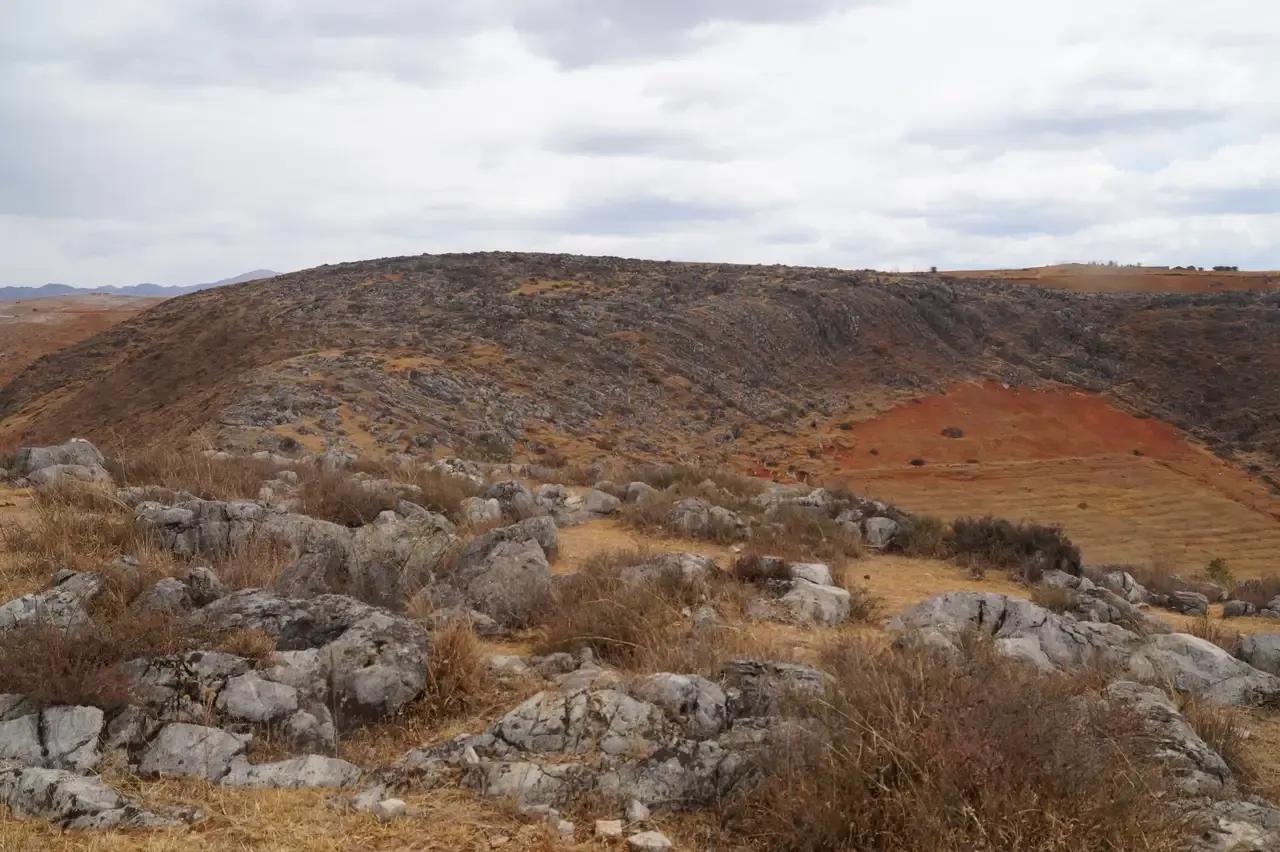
(1258, 591)
(1001, 543)
(441, 491)
(52, 666)
(638, 626)
(457, 676)
(800, 534)
(923, 537)
(238, 477)
(1054, 598)
(911, 750)
(1224, 730)
(339, 498)
(650, 514)
(689, 477)
(254, 564)
(1159, 578)
(753, 567)
(1213, 631)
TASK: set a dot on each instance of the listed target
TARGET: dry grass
(1224, 730)
(339, 498)
(690, 477)
(81, 529)
(799, 534)
(1054, 598)
(457, 677)
(1213, 631)
(1258, 591)
(238, 477)
(254, 564)
(912, 751)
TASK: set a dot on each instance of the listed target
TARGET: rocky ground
(458, 654)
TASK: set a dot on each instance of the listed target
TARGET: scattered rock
(389, 810)
(879, 532)
(74, 801)
(308, 771)
(648, 841)
(70, 736)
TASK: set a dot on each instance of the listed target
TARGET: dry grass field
(1086, 278)
(35, 327)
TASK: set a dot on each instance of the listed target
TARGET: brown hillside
(32, 328)
(582, 356)
(1093, 278)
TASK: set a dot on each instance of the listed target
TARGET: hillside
(584, 355)
(1096, 278)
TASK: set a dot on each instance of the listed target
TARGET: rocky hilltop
(507, 355)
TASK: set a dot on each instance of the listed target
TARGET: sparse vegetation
(1219, 572)
(1224, 730)
(908, 750)
(1258, 591)
(342, 499)
(1054, 598)
(925, 537)
(1214, 631)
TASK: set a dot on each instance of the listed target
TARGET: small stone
(389, 809)
(564, 828)
(637, 811)
(647, 841)
(608, 828)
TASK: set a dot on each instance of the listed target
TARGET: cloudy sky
(186, 140)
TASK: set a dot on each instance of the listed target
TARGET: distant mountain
(49, 291)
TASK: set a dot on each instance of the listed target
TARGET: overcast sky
(187, 140)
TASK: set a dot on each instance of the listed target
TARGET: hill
(31, 328)
(577, 356)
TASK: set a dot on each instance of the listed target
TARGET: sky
(188, 140)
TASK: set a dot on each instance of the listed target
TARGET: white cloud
(187, 140)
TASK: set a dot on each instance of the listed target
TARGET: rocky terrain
(392, 637)
(535, 356)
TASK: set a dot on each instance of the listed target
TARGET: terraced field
(1128, 490)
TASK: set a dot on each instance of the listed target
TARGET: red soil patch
(1004, 424)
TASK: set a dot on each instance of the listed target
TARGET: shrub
(457, 675)
(1003, 544)
(759, 570)
(52, 666)
(640, 626)
(62, 534)
(441, 492)
(1219, 572)
(339, 498)
(798, 534)
(253, 564)
(1054, 598)
(911, 750)
(690, 476)
(923, 536)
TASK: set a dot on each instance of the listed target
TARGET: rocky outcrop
(1056, 642)
(73, 801)
(62, 606)
(362, 660)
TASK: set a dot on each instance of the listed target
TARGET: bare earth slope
(30, 329)
(584, 355)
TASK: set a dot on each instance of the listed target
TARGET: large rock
(698, 705)
(599, 503)
(393, 557)
(68, 475)
(73, 801)
(810, 603)
(20, 740)
(580, 721)
(1195, 665)
(504, 573)
(308, 771)
(71, 737)
(879, 531)
(250, 698)
(1199, 770)
(181, 749)
(1020, 628)
(63, 606)
(756, 688)
(77, 451)
(368, 662)
(1262, 651)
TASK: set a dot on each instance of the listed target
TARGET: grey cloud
(637, 215)
(1261, 198)
(605, 142)
(993, 218)
(1066, 127)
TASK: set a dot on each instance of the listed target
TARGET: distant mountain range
(49, 291)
